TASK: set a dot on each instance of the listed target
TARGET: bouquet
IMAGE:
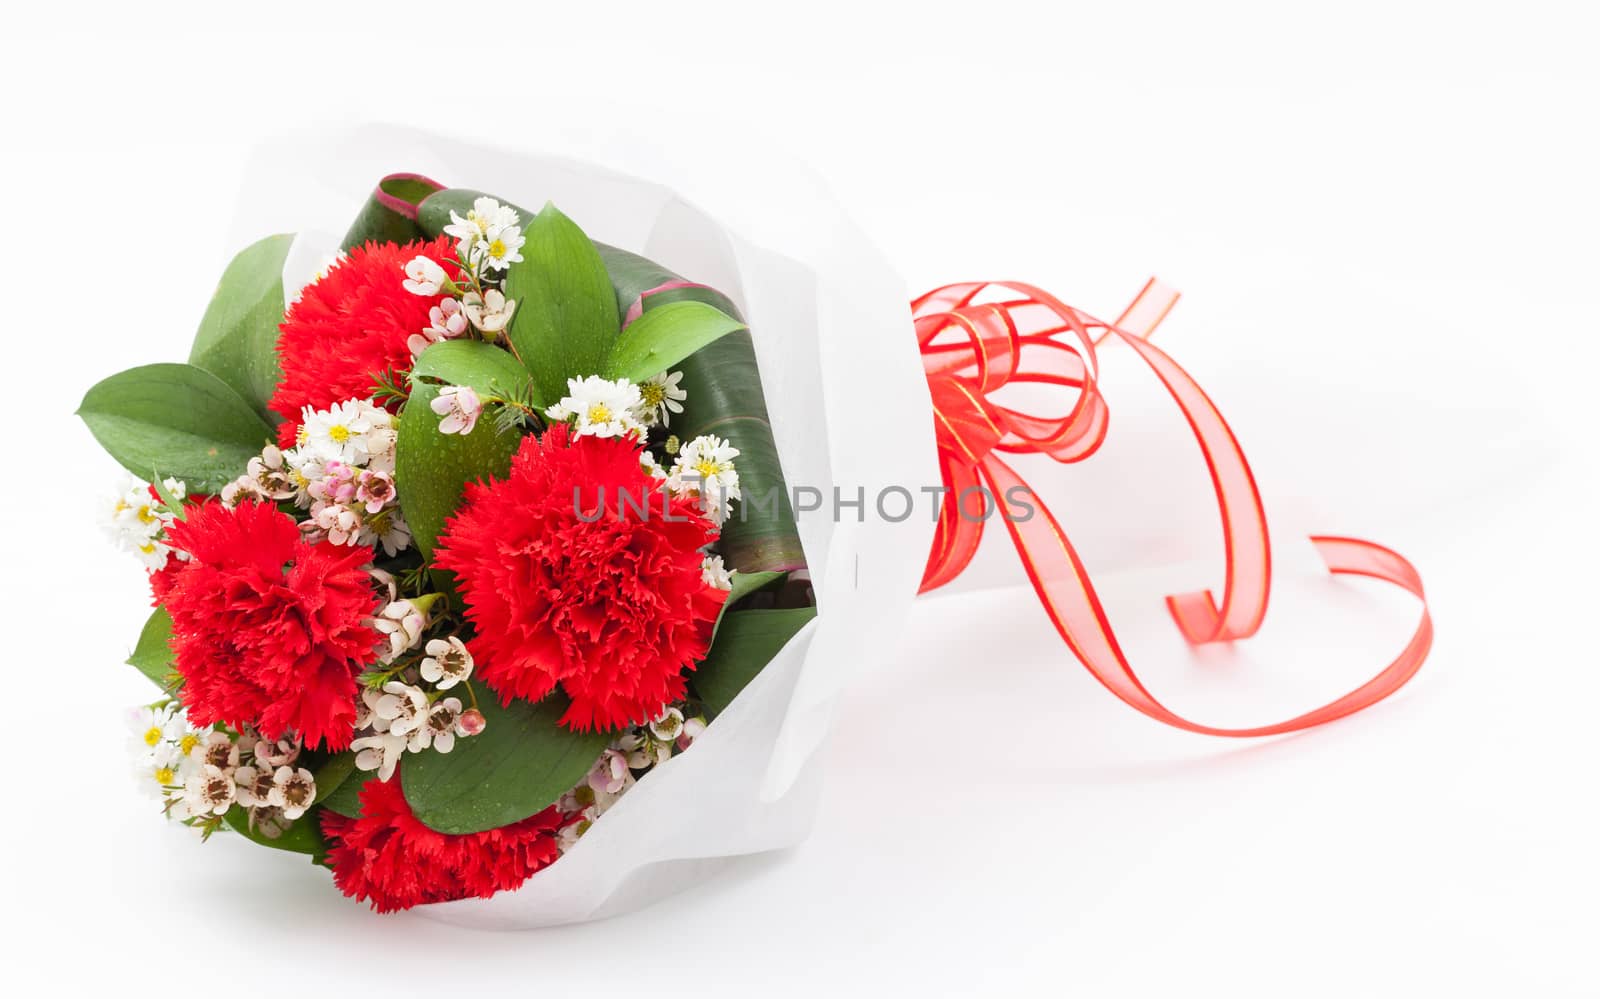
(448, 555)
(484, 555)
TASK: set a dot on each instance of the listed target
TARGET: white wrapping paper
(849, 410)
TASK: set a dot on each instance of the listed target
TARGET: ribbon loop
(973, 350)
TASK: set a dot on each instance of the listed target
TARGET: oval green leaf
(431, 468)
(665, 335)
(485, 367)
(519, 765)
(566, 319)
(238, 336)
(152, 655)
(177, 418)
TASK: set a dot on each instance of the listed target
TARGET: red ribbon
(971, 350)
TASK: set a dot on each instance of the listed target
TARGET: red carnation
(391, 858)
(350, 327)
(267, 629)
(614, 610)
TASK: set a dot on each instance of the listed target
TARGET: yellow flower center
(706, 467)
(652, 394)
(165, 776)
(497, 249)
(187, 743)
(145, 516)
(599, 413)
(339, 433)
(152, 735)
(148, 548)
(300, 435)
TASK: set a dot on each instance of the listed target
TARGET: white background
(1384, 216)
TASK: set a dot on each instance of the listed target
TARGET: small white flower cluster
(488, 239)
(342, 470)
(200, 774)
(400, 716)
(140, 519)
(715, 574)
(703, 470)
(628, 758)
(601, 407)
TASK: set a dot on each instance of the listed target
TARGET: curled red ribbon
(971, 350)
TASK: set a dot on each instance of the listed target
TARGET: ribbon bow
(971, 350)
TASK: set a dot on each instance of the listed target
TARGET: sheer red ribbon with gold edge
(972, 349)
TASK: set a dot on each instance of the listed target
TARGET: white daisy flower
(714, 573)
(155, 730)
(448, 662)
(460, 407)
(490, 312)
(345, 432)
(600, 407)
(156, 779)
(704, 469)
(293, 791)
(661, 397)
(485, 216)
(424, 277)
(500, 247)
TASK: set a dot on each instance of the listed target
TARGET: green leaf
(432, 468)
(152, 654)
(333, 773)
(665, 335)
(724, 398)
(517, 766)
(746, 642)
(177, 418)
(566, 319)
(345, 799)
(238, 336)
(302, 836)
(744, 584)
(486, 368)
(390, 214)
